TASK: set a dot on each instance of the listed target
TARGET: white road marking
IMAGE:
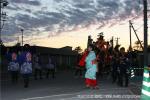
(49, 96)
(42, 97)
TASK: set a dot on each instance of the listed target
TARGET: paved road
(66, 87)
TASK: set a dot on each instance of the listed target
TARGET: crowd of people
(25, 63)
(100, 58)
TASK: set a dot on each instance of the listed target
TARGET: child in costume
(91, 69)
(13, 68)
(26, 65)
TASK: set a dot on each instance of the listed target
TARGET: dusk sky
(59, 23)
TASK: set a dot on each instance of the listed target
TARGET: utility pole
(145, 87)
(3, 3)
(145, 33)
(0, 22)
(117, 41)
(112, 42)
(136, 35)
(18, 39)
(130, 34)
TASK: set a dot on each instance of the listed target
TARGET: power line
(139, 27)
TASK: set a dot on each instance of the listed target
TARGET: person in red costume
(82, 61)
(81, 65)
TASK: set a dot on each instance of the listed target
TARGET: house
(62, 57)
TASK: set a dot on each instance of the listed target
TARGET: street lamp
(4, 2)
(22, 35)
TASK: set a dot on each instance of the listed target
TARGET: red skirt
(91, 82)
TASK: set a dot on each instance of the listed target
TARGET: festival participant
(82, 61)
(124, 68)
(50, 68)
(91, 69)
(37, 67)
(81, 65)
(26, 65)
(13, 68)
